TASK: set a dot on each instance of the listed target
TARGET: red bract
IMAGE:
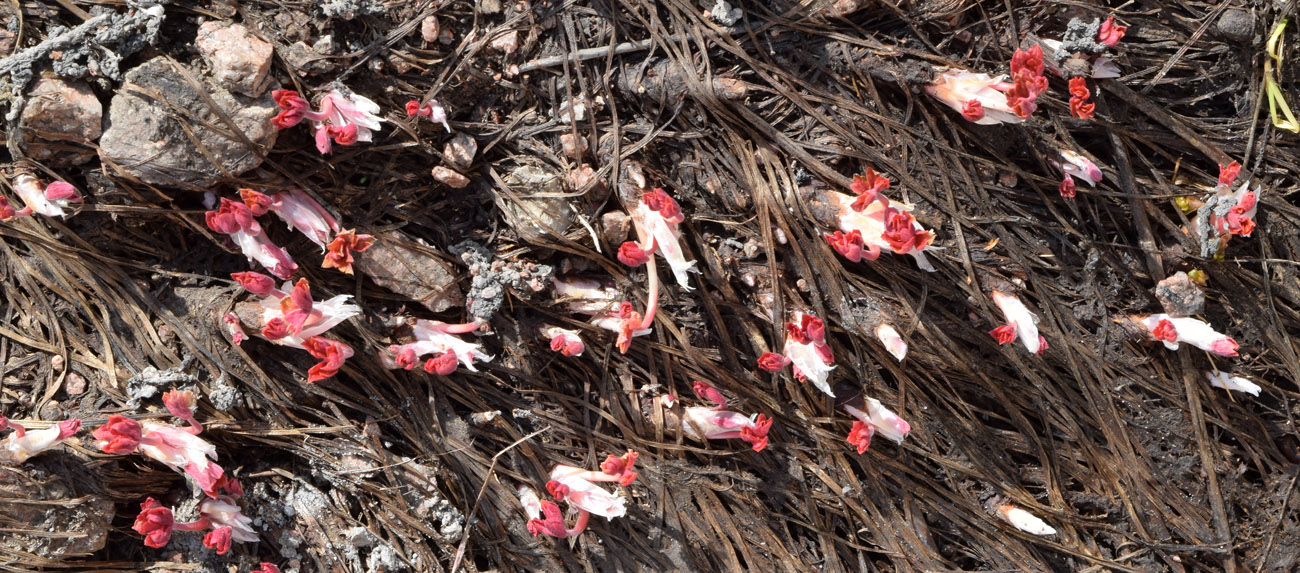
(346, 242)
(851, 246)
(181, 404)
(860, 435)
(1165, 331)
(1079, 95)
(1028, 62)
(442, 365)
(621, 467)
(155, 523)
(1004, 334)
(346, 135)
(266, 568)
(218, 539)
(6, 210)
(293, 109)
(772, 362)
(658, 200)
(707, 392)
(901, 232)
(757, 435)
(553, 523)
(331, 353)
(1109, 33)
(1067, 188)
(868, 187)
(1228, 174)
(121, 435)
(632, 255)
(1028, 80)
(973, 110)
(254, 282)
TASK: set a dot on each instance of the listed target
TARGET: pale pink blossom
(440, 340)
(20, 445)
(978, 97)
(1023, 520)
(290, 316)
(1074, 165)
(806, 350)
(182, 451)
(601, 302)
(348, 119)
(48, 200)
(879, 226)
(715, 423)
(565, 341)
(1175, 330)
(575, 485)
(894, 343)
(1021, 323)
(656, 218)
(298, 210)
(1220, 379)
(877, 418)
(237, 221)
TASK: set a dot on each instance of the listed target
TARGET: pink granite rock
(60, 121)
(240, 61)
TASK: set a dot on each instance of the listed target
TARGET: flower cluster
(655, 218)
(987, 100)
(869, 223)
(805, 349)
(1020, 324)
(289, 316)
(718, 423)
(877, 418)
(577, 487)
(49, 200)
(17, 447)
(220, 515)
(600, 302)
(1079, 94)
(342, 119)
(565, 341)
(178, 448)
(303, 214)
(1074, 165)
(432, 110)
(1172, 331)
(237, 221)
(439, 340)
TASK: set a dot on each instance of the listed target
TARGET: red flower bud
(631, 255)
(772, 362)
(154, 523)
(254, 282)
(442, 365)
(120, 435)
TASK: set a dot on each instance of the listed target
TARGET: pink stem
(321, 115)
(579, 525)
(199, 525)
(652, 300)
(461, 328)
(18, 429)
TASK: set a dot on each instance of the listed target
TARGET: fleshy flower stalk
(590, 297)
(345, 119)
(1021, 323)
(49, 200)
(877, 418)
(17, 447)
(178, 448)
(1175, 330)
(577, 487)
(716, 423)
(869, 223)
(438, 339)
(806, 349)
(655, 218)
(221, 515)
(237, 221)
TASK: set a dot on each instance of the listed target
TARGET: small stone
(574, 147)
(450, 178)
(1180, 295)
(614, 227)
(145, 141)
(581, 176)
(1236, 24)
(430, 29)
(405, 267)
(506, 43)
(56, 363)
(239, 60)
(538, 209)
(75, 385)
(60, 120)
(460, 151)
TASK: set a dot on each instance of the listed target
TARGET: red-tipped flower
(120, 435)
(1079, 94)
(292, 108)
(442, 365)
(632, 255)
(155, 523)
(772, 362)
(621, 466)
(860, 435)
(1004, 334)
(1109, 33)
(851, 246)
(341, 248)
(254, 282)
(706, 391)
(1165, 331)
(331, 353)
(1228, 174)
(869, 187)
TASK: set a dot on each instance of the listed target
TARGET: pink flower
(1109, 33)
(1174, 330)
(17, 447)
(877, 418)
(805, 348)
(293, 109)
(221, 514)
(298, 210)
(879, 225)
(575, 485)
(181, 404)
(1228, 175)
(438, 339)
(431, 110)
(714, 423)
(331, 353)
(49, 201)
(1027, 79)
(869, 187)
(1021, 323)
(184, 452)
(1074, 165)
(291, 316)
(344, 118)
(266, 568)
(554, 525)
(565, 341)
(656, 218)
(706, 391)
(978, 97)
(237, 220)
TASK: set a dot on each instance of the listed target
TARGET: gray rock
(145, 140)
(59, 121)
(407, 268)
(239, 60)
(44, 517)
(541, 209)
(1237, 24)
(1180, 296)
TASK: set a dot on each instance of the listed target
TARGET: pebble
(240, 61)
(59, 118)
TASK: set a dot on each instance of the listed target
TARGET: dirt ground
(1117, 443)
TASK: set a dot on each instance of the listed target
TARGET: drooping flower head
(48, 200)
(716, 423)
(877, 418)
(237, 221)
(345, 119)
(1021, 323)
(977, 97)
(1079, 94)
(565, 341)
(1110, 33)
(17, 447)
(806, 349)
(1172, 331)
(440, 340)
(870, 223)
